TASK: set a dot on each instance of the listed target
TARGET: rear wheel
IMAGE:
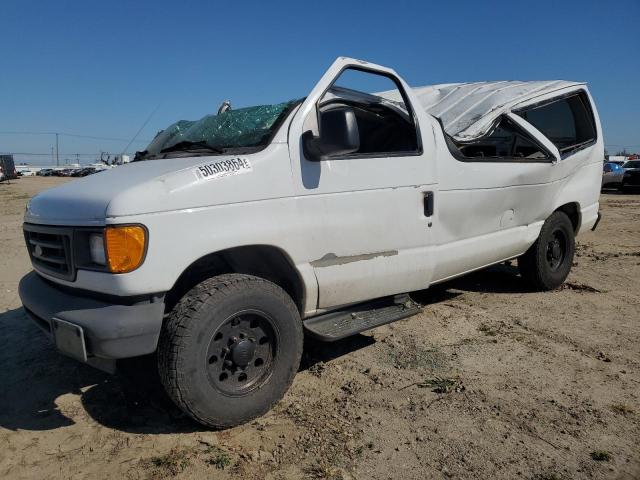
(230, 349)
(548, 261)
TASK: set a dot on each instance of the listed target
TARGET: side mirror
(339, 135)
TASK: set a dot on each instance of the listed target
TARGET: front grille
(50, 250)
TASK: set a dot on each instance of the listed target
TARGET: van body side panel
(485, 205)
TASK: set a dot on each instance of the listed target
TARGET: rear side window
(505, 143)
(567, 122)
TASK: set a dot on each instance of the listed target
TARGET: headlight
(96, 249)
(125, 247)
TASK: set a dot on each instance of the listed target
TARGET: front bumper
(90, 328)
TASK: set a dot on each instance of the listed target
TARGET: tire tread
(179, 324)
(532, 265)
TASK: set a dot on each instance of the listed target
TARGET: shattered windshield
(244, 128)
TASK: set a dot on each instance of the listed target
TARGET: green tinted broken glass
(245, 127)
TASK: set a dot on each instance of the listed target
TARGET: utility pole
(57, 154)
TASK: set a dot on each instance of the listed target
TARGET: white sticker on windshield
(223, 168)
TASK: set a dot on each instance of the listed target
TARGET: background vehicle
(631, 178)
(612, 174)
(619, 159)
(8, 167)
(230, 236)
(65, 172)
(82, 172)
(45, 172)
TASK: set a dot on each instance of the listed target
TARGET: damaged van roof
(469, 110)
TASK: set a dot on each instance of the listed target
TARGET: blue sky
(100, 68)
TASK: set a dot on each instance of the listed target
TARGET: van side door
(368, 207)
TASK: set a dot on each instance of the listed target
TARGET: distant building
(620, 159)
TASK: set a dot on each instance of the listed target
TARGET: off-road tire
(188, 333)
(535, 265)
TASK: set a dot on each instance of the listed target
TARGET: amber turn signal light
(125, 247)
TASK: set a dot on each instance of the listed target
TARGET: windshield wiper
(189, 146)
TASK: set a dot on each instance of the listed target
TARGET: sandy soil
(490, 381)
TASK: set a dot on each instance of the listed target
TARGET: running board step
(333, 326)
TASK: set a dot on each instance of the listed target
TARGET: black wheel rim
(556, 249)
(241, 353)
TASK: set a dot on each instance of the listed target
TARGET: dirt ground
(489, 381)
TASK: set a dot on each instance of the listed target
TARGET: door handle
(428, 204)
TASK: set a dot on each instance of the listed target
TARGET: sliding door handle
(428, 204)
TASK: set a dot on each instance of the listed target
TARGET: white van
(230, 236)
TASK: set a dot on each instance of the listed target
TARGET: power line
(142, 127)
(29, 133)
(49, 154)
(72, 135)
(103, 138)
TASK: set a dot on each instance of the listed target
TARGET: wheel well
(263, 261)
(572, 210)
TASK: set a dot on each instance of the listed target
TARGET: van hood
(155, 186)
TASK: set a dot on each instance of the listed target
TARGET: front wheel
(548, 261)
(230, 349)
